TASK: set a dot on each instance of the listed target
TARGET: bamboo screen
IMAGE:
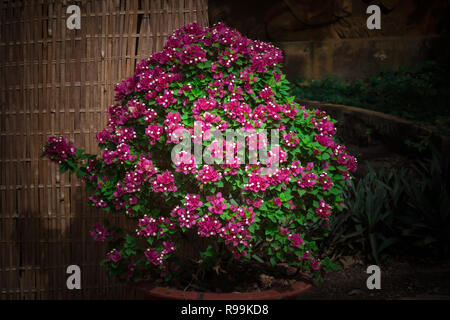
(56, 81)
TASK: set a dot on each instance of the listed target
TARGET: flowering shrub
(220, 79)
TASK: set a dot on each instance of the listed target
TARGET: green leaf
(254, 256)
(273, 261)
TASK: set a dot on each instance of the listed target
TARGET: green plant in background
(426, 223)
(368, 224)
(420, 144)
(397, 210)
(329, 90)
(421, 95)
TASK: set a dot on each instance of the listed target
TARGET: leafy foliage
(422, 95)
(426, 222)
(404, 210)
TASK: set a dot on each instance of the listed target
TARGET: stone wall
(351, 59)
(330, 37)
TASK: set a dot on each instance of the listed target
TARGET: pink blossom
(290, 139)
(218, 203)
(324, 209)
(59, 149)
(315, 264)
(295, 240)
(326, 181)
(308, 180)
(208, 226)
(277, 201)
(164, 182)
(154, 131)
(192, 201)
(153, 257)
(208, 174)
(114, 255)
(99, 233)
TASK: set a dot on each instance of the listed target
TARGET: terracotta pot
(152, 292)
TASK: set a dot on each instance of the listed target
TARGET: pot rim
(163, 293)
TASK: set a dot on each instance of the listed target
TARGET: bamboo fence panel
(56, 81)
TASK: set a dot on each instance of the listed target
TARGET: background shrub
(420, 95)
(403, 211)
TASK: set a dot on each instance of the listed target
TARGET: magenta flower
(99, 203)
(277, 201)
(291, 205)
(296, 240)
(256, 183)
(290, 139)
(308, 180)
(186, 218)
(132, 200)
(153, 257)
(148, 227)
(192, 202)
(208, 226)
(218, 203)
(114, 255)
(325, 140)
(99, 233)
(145, 168)
(315, 264)
(324, 209)
(154, 131)
(164, 182)
(208, 174)
(166, 99)
(326, 181)
(185, 163)
(59, 149)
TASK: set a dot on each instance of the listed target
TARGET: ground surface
(400, 279)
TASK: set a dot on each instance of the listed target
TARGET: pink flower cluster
(324, 209)
(114, 255)
(143, 171)
(99, 203)
(235, 232)
(164, 182)
(326, 181)
(296, 240)
(171, 125)
(290, 139)
(185, 163)
(99, 233)
(120, 155)
(217, 203)
(308, 180)
(208, 174)
(166, 99)
(59, 149)
(151, 227)
(187, 216)
(154, 131)
(208, 226)
(157, 257)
